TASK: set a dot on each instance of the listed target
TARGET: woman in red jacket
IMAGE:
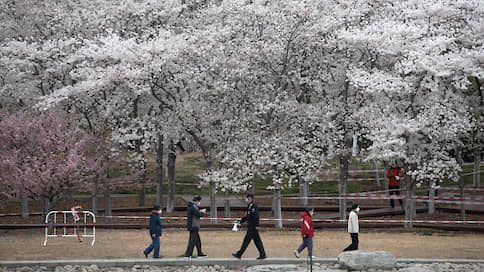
(394, 176)
(307, 232)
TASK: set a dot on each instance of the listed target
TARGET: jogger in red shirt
(307, 232)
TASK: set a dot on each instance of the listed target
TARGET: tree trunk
(226, 204)
(94, 197)
(46, 206)
(273, 207)
(107, 205)
(24, 203)
(413, 204)
(159, 170)
(354, 148)
(377, 173)
(476, 177)
(343, 178)
(431, 203)
(252, 186)
(170, 168)
(142, 191)
(277, 206)
(409, 192)
(330, 150)
(461, 184)
(385, 179)
(213, 203)
(304, 191)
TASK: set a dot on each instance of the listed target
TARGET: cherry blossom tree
(44, 156)
(422, 60)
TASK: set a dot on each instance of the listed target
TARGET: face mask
(358, 209)
(246, 200)
(160, 211)
(311, 213)
(198, 204)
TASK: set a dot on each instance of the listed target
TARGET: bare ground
(27, 244)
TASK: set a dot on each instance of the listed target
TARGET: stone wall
(317, 267)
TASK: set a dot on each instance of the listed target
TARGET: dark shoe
(261, 257)
(202, 256)
(236, 256)
(146, 255)
(188, 257)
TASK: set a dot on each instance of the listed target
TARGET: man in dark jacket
(252, 218)
(155, 232)
(193, 226)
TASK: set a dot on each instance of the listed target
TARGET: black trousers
(396, 191)
(194, 241)
(252, 234)
(354, 242)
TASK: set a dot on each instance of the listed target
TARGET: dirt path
(17, 245)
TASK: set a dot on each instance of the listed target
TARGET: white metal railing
(76, 225)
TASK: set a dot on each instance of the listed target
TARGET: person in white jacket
(353, 227)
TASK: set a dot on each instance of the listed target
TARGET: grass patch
(116, 172)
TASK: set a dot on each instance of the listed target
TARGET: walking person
(252, 218)
(353, 227)
(193, 226)
(394, 175)
(155, 233)
(307, 232)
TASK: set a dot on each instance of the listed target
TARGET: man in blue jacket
(155, 232)
(193, 226)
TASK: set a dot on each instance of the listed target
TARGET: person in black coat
(193, 226)
(252, 219)
(155, 233)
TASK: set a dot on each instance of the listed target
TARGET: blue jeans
(155, 244)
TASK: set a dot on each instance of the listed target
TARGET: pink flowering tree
(45, 157)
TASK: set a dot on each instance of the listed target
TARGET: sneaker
(261, 257)
(296, 253)
(146, 255)
(200, 256)
(236, 255)
(187, 257)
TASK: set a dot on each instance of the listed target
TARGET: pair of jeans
(194, 241)
(354, 242)
(252, 234)
(307, 242)
(155, 245)
(395, 190)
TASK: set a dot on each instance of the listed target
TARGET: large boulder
(363, 260)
